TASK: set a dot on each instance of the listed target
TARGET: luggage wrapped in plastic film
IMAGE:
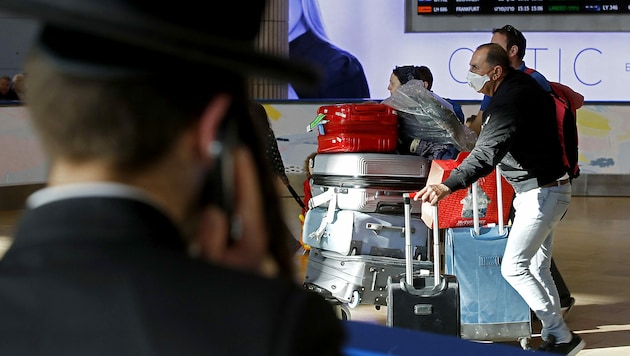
(424, 115)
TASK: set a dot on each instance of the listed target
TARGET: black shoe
(570, 348)
(548, 344)
(566, 309)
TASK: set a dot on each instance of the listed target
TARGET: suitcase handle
(486, 234)
(371, 107)
(475, 188)
(436, 241)
(380, 227)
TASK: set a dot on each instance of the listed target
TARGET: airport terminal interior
(591, 242)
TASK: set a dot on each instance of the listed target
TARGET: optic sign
(600, 72)
(596, 64)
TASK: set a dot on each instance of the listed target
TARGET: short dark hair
(514, 38)
(111, 115)
(496, 55)
(407, 73)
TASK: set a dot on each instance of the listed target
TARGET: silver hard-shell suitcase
(351, 232)
(367, 182)
(379, 167)
(355, 280)
(369, 199)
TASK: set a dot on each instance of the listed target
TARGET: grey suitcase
(370, 168)
(367, 182)
(358, 279)
(361, 197)
(351, 232)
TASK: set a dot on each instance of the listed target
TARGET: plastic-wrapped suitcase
(491, 310)
(415, 303)
(350, 232)
(360, 127)
(355, 280)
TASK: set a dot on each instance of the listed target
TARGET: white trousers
(527, 260)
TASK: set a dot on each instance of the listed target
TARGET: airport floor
(590, 251)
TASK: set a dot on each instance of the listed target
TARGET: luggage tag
(328, 218)
(316, 121)
(321, 198)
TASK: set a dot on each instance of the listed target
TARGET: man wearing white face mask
(519, 135)
(514, 43)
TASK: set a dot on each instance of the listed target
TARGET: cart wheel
(354, 300)
(344, 312)
(524, 342)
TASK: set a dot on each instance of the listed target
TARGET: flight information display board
(521, 7)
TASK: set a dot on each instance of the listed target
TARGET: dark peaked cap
(151, 35)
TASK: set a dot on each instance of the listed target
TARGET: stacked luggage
(355, 225)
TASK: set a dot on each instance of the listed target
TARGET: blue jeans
(527, 260)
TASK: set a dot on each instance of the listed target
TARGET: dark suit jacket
(111, 276)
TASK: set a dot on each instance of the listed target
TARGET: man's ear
(498, 72)
(211, 120)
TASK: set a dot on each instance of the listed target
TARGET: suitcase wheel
(344, 312)
(524, 342)
(355, 300)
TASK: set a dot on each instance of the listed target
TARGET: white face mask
(477, 81)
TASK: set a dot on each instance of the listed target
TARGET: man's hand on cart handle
(432, 193)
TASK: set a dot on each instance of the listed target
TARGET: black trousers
(563, 290)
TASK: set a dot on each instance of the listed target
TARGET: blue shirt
(542, 81)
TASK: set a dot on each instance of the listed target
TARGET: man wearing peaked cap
(159, 231)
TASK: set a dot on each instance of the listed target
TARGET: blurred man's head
(109, 57)
(97, 99)
(18, 82)
(5, 85)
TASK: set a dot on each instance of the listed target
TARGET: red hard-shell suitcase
(361, 127)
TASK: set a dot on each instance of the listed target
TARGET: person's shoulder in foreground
(159, 231)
